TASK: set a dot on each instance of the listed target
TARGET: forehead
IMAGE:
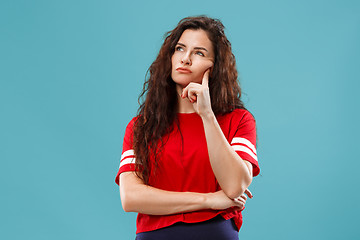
(196, 38)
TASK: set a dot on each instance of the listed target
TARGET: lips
(183, 70)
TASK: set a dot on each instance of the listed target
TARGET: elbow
(239, 182)
(130, 188)
(125, 204)
(235, 192)
(238, 189)
(126, 208)
(127, 201)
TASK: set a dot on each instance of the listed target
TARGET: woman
(189, 155)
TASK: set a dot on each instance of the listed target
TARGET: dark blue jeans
(214, 229)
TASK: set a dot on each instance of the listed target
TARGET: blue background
(71, 72)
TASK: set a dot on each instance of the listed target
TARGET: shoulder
(132, 122)
(237, 116)
(130, 128)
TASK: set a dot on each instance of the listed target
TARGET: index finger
(205, 80)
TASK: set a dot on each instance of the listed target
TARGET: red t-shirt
(184, 164)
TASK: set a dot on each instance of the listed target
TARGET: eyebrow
(201, 48)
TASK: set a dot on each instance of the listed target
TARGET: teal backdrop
(71, 73)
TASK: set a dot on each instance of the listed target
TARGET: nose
(186, 59)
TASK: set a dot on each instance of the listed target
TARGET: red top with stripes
(184, 165)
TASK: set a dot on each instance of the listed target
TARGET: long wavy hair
(157, 113)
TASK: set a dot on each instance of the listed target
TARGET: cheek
(206, 65)
(172, 62)
(173, 66)
(175, 57)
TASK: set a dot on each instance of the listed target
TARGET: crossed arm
(141, 198)
(233, 174)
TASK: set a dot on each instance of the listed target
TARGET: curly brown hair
(158, 112)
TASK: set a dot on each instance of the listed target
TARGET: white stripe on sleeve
(241, 148)
(244, 141)
(127, 161)
(127, 154)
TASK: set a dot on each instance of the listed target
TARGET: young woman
(189, 155)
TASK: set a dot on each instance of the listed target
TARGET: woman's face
(193, 55)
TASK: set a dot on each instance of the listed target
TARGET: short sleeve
(127, 160)
(243, 141)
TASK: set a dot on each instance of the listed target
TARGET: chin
(181, 80)
(184, 81)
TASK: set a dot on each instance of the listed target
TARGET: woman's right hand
(219, 200)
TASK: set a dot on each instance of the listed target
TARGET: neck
(184, 105)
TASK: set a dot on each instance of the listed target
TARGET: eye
(178, 48)
(200, 54)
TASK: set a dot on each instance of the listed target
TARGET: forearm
(232, 173)
(138, 197)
